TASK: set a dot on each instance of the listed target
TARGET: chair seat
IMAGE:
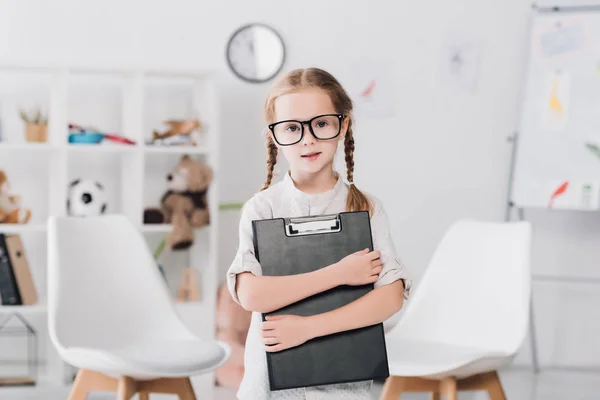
(409, 357)
(153, 358)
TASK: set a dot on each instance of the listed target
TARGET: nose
(308, 137)
(169, 177)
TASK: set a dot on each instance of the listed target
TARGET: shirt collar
(315, 198)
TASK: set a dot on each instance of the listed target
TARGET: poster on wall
(458, 63)
(556, 101)
(371, 88)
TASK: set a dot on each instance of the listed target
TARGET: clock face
(255, 53)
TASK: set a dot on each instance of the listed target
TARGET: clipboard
(288, 246)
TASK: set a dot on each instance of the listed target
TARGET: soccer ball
(86, 198)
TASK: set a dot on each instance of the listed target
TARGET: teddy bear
(185, 204)
(233, 322)
(10, 204)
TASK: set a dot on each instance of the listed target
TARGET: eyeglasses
(322, 127)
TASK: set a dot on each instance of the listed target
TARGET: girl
(309, 114)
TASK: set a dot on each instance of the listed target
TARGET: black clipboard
(288, 246)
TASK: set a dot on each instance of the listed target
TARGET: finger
(270, 341)
(363, 251)
(376, 270)
(276, 347)
(373, 278)
(274, 317)
(376, 263)
(374, 255)
(269, 325)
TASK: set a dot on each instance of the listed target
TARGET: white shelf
(26, 147)
(22, 228)
(159, 228)
(130, 102)
(26, 309)
(177, 149)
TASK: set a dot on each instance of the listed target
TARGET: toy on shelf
(81, 135)
(233, 322)
(86, 198)
(185, 204)
(188, 290)
(36, 126)
(179, 133)
(10, 204)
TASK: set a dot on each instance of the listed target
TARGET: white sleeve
(393, 267)
(245, 260)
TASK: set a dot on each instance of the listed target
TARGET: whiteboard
(555, 164)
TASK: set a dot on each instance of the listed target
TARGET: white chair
(111, 315)
(469, 315)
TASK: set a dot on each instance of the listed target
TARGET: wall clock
(255, 53)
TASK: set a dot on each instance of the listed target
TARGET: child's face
(310, 155)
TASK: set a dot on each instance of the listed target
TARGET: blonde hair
(317, 78)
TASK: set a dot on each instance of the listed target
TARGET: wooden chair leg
(186, 390)
(494, 387)
(126, 388)
(435, 396)
(81, 386)
(448, 389)
(144, 396)
(392, 388)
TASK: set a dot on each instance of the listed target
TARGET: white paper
(578, 195)
(459, 62)
(561, 38)
(556, 101)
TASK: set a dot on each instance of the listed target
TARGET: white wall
(442, 156)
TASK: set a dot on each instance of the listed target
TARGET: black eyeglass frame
(309, 123)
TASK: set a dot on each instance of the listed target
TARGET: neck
(317, 182)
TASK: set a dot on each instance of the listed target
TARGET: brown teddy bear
(185, 204)
(10, 205)
(233, 322)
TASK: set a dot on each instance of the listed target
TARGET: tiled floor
(519, 384)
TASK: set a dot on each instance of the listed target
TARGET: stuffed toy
(185, 204)
(10, 204)
(233, 322)
(178, 129)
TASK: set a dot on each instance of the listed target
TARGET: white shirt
(284, 200)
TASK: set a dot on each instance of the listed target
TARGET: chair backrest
(104, 287)
(476, 289)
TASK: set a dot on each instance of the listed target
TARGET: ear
(344, 130)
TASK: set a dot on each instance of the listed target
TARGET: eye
(292, 128)
(321, 124)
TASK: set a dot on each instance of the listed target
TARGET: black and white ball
(86, 198)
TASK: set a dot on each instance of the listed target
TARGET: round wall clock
(255, 53)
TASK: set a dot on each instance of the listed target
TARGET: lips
(311, 155)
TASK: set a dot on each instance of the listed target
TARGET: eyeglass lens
(324, 127)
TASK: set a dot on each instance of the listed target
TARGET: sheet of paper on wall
(459, 61)
(562, 38)
(556, 101)
(574, 195)
(371, 86)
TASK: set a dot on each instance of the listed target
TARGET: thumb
(364, 251)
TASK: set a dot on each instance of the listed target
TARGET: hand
(359, 268)
(280, 332)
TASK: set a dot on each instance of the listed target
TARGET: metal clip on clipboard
(313, 225)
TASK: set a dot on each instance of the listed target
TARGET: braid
(349, 152)
(356, 201)
(271, 161)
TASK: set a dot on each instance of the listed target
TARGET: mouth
(311, 156)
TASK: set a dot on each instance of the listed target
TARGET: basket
(36, 132)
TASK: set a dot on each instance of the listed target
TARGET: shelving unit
(129, 103)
